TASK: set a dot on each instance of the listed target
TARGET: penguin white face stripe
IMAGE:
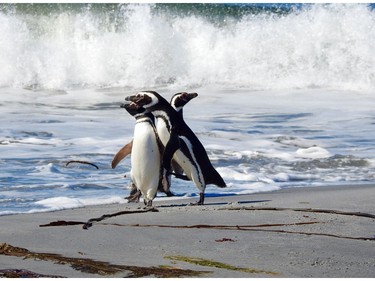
(154, 99)
(173, 103)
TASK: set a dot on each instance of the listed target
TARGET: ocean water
(286, 95)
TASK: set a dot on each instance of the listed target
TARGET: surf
(57, 46)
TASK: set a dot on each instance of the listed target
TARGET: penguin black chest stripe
(165, 117)
(145, 121)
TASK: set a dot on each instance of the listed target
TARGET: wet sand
(305, 232)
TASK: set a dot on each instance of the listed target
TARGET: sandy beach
(306, 232)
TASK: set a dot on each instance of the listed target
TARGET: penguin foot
(200, 202)
(196, 204)
(132, 200)
(169, 193)
(134, 196)
(148, 205)
(150, 208)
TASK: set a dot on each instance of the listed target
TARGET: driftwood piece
(90, 222)
(103, 217)
(81, 162)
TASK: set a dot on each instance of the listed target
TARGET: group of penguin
(164, 145)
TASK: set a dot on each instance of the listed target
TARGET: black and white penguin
(146, 154)
(178, 101)
(182, 144)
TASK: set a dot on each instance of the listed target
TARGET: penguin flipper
(165, 167)
(122, 153)
(177, 168)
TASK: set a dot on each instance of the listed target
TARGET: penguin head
(179, 100)
(147, 99)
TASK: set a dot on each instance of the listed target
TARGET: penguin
(178, 101)
(146, 154)
(182, 144)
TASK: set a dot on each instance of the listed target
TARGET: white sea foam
(328, 46)
(60, 203)
(313, 152)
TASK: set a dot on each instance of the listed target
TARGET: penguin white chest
(162, 129)
(145, 160)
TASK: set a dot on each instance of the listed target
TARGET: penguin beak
(192, 95)
(130, 105)
(125, 104)
(132, 101)
(134, 106)
(129, 98)
(189, 96)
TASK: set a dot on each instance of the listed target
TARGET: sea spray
(133, 45)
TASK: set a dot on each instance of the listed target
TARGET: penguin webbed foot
(135, 195)
(148, 205)
(169, 193)
(200, 202)
(133, 199)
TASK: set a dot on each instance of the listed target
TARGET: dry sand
(306, 232)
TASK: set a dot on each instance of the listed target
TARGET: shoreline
(176, 200)
(282, 233)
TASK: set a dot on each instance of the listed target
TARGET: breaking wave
(57, 46)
